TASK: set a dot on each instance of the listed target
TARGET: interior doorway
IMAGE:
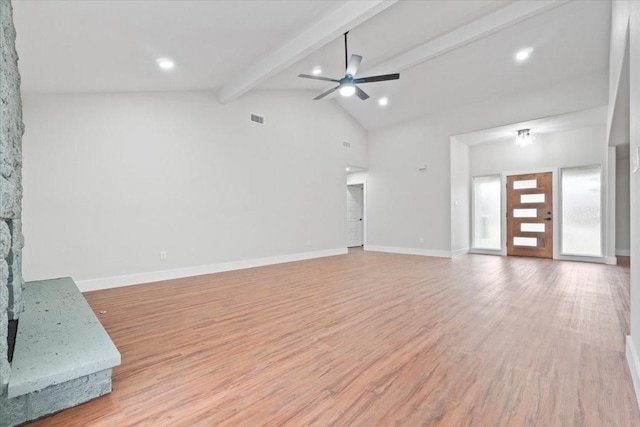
(355, 215)
(530, 215)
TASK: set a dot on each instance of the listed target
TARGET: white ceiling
(449, 53)
(112, 46)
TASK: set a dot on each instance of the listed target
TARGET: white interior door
(355, 210)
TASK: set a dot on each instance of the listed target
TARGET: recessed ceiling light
(316, 71)
(165, 63)
(348, 169)
(524, 54)
(383, 101)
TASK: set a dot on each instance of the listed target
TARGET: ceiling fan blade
(381, 78)
(354, 63)
(326, 79)
(361, 94)
(323, 94)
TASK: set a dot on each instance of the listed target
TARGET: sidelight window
(581, 211)
(487, 232)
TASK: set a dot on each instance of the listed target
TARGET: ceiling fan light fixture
(317, 70)
(347, 89)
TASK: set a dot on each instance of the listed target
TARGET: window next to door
(487, 231)
(581, 201)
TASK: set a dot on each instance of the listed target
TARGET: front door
(529, 215)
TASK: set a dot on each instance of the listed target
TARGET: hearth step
(62, 356)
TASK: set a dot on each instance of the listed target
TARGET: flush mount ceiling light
(524, 137)
(383, 101)
(165, 63)
(524, 54)
(316, 71)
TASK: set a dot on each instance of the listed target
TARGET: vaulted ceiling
(449, 53)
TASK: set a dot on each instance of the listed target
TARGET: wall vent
(257, 119)
(346, 144)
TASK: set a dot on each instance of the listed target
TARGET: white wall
(633, 347)
(110, 180)
(622, 207)
(404, 204)
(620, 11)
(356, 178)
(460, 198)
(625, 27)
(579, 147)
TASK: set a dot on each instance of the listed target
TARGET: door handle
(546, 219)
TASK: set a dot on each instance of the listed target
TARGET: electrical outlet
(163, 255)
(421, 240)
(309, 242)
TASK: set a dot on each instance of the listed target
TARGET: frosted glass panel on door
(525, 184)
(486, 212)
(528, 227)
(581, 211)
(525, 241)
(532, 198)
(525, 213)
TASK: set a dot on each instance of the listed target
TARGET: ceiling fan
(347, 84)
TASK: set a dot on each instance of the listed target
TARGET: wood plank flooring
(371, 339)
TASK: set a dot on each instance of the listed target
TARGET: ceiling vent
(346, 144)
(257, 119)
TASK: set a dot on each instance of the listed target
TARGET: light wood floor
(371, 339)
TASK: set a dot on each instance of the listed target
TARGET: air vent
(346, 144)
(257, 119)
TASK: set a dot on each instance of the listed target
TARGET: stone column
(11, 130)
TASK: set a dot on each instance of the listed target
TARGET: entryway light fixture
(524, 137)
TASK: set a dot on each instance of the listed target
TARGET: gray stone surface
(5, 240)
(54, 398)
(11, 129)
(58, 397)
(59, 338)
(16, 282)
(13, 411)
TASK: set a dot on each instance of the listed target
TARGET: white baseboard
(498, 252)
(623, 252)
(156, 276)
(408, 251)
(611, 260)
(634, 366)
(459, 252)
